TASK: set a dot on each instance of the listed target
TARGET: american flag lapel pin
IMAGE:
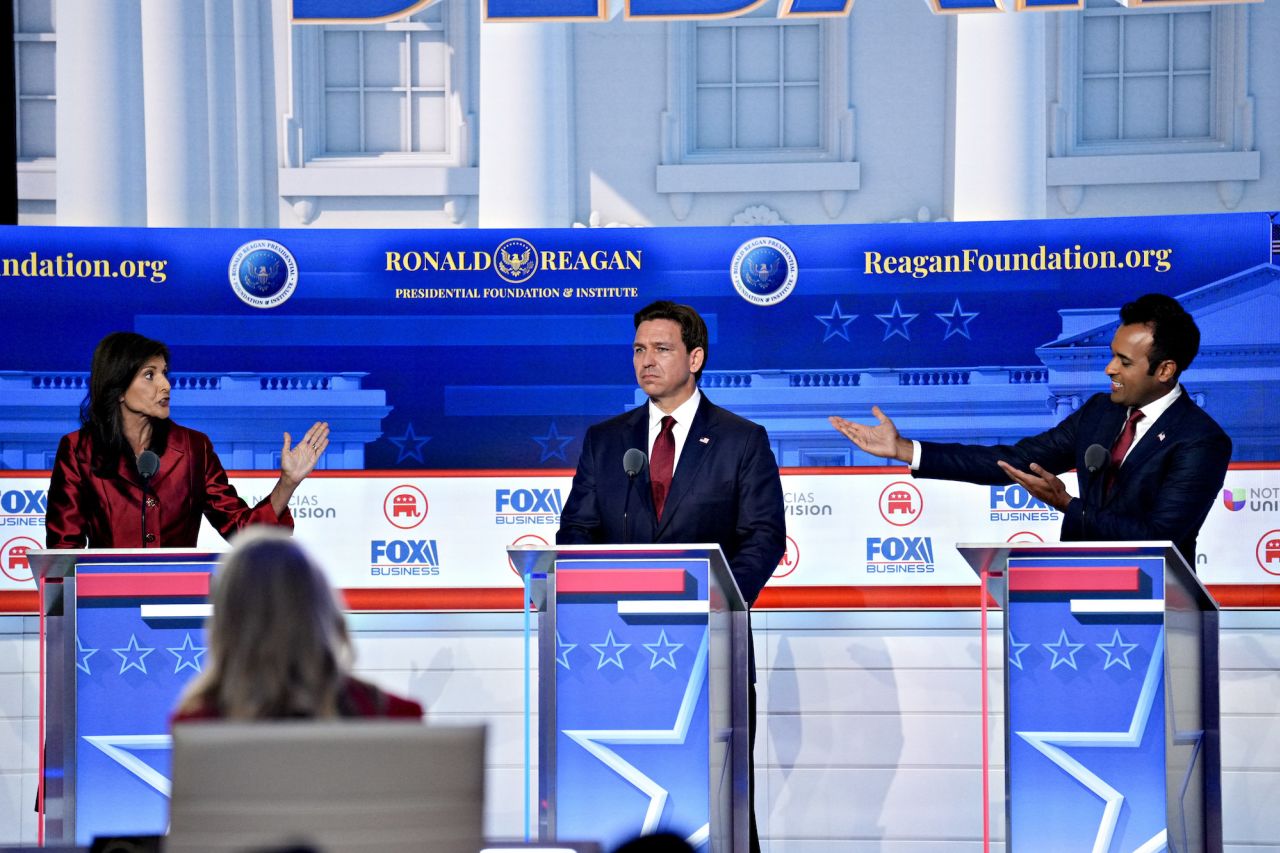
(706, 440)
(1160, 436)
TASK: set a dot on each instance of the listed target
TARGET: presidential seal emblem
(516, 260)
(263, 273)
(764, 271)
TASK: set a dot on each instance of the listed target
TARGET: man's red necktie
(1123, 442)
(662, 464)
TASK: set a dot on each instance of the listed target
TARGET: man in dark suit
(1163, 459)
(711, 475)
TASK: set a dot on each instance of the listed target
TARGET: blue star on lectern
(1050, 745)
(663, 651)
(610, 651)
(410, 445)
(188, 655)
(593, 740)
(837, 324)
(1015, 651)
(1064, 651)
(133, 656)
(895, 322)
(552, 444)
(83, 655)
(957, 321)
(1117, 651)
(562, 651)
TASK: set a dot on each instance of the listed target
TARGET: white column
(1001, 141)
(173, 66)
(250, 126)
(219, 25)
(101, 145)
(526, 133)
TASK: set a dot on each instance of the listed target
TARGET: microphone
(1096, 458)
(632, 463)
(148, 464)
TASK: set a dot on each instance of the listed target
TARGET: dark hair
(1174, 334)
(693, 331)
(116, 361)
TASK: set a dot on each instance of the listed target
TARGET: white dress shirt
(684, 418)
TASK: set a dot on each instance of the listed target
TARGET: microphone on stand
(148, 464)
(632, 463)
(1096, 458)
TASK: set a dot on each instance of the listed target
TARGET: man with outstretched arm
(1158, 459)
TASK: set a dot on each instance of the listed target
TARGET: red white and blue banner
(459, 371)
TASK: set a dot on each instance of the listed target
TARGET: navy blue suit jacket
(725, 490)
(1164, 489)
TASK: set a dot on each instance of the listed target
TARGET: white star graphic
(1015, 651)
(1064, 651)
(1117, 651)
(663, 651)
(188, 655)
(1049, 744)
(562, 651)
(83, 655)
(127, 660)
(593, 740)
(610, 651)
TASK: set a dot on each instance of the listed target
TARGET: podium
(1111, 696)
(642, 693)
(121, 634)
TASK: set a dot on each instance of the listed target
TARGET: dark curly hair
(1174, 334)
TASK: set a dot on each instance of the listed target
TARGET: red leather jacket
(88, 511)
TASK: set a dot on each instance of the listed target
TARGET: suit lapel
(638, 437)
(697, 444)
(1165, 426)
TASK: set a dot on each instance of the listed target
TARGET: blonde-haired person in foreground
(278, 643)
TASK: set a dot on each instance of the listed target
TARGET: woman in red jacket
(278, 644)
(127, 454)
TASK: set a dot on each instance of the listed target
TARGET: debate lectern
(122, 632)
(642, 693)
(1111, 696)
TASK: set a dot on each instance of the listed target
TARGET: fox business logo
(23, 507)
(527, 506)
(398, 558)
(1015, 503)
(900, 555)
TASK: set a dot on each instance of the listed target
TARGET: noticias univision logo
(1233, 499)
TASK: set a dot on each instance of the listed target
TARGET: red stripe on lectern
(620, 580)
(19, 601)
(460, 598)
(1262, 596)
(1073, 579)
(867, 597)
(142, 585)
